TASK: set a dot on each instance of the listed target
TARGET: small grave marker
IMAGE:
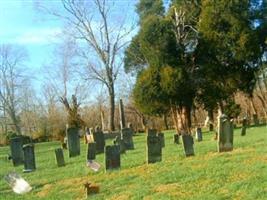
(16, 144)
(91, 151)
(127, 136)
(112, 157)
(73, 142)
(59, 157)
(99, 139)
(154, 147)
(29, 158)
(198, 134)
(244, 126)
(225, 134)
(188, 143)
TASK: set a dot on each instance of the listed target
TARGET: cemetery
(133, 99)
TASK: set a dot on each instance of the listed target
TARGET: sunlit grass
(240, 174)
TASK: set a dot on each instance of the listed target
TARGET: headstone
(91, 151)
(198, 134)
(29, 158)
(127, 136)
(122, 117)
(119, 141)
(16, 144)
(162, 139)
(154, 147)
(112, 157)
(225, 134)
(176, 138)
(255, 119)
(73, 142)
(59, 157)
(210, 127)
(188, 143)
(244, 126)
(99, 139)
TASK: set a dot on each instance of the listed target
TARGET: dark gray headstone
(119, 141)
(112, 157)
(244, 126)
(188, 143)
(198, 134)
(127, 136)
(122, 116)
(91, 151)
(154, 147)
(73, 142)
(225, 134)
(255, 119)
(162, 139)
(59, 157)
(99, 138)
(176, 138)
(16, 144)
(29, 158)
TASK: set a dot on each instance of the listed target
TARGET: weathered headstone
(188, 143)
(122, 116)
(198, 134)
(73, 141)
(176, 138)
(225, 134)
(127, 136)
(16, 144)
(91, 151)
(255, 119)
(29, 158)
(112, 157)
(162, 139)
(154, 147)
(119, 141)
(99, 139)
(244, 126)
(59, 157)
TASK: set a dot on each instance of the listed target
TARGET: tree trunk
(111, 107)
(165, 122)
(184, 120)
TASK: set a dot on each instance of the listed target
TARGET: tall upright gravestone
(122, 116)
(59, 157)
(91, 151)
(29, 158)
(127, 136)
(112, 157)
(198, 134)
(99, 139)
(73, 142)
(188, 143)
(244, 126)
(225, 134)
(16, 144)
(154, 147)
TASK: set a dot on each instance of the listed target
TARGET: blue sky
(22, 23)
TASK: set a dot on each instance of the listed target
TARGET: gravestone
(188, 143)
(210, 127)
(73, 142)
(119, 141)
(91, 151)
(99, 139)
(29, 158)
(122, 116)
(154, 147)
(16, 144)
(198, 134)
(112, 157)
(59, 157)
(176, 138)
(162, 139)
(244, 126)
(255, 119)
(127, 136)
(225, 134)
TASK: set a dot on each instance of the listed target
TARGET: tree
(12, 80)
(102, 42)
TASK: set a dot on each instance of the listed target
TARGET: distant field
(241, 174)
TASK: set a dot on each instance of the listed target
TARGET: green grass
(240, 174)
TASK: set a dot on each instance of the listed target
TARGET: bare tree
(11, 82)
(102, 42)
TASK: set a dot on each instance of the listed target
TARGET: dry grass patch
(45, 190)
(173, 189)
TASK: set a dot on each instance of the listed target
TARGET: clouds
(37, 36)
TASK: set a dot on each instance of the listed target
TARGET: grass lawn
(240, 174)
